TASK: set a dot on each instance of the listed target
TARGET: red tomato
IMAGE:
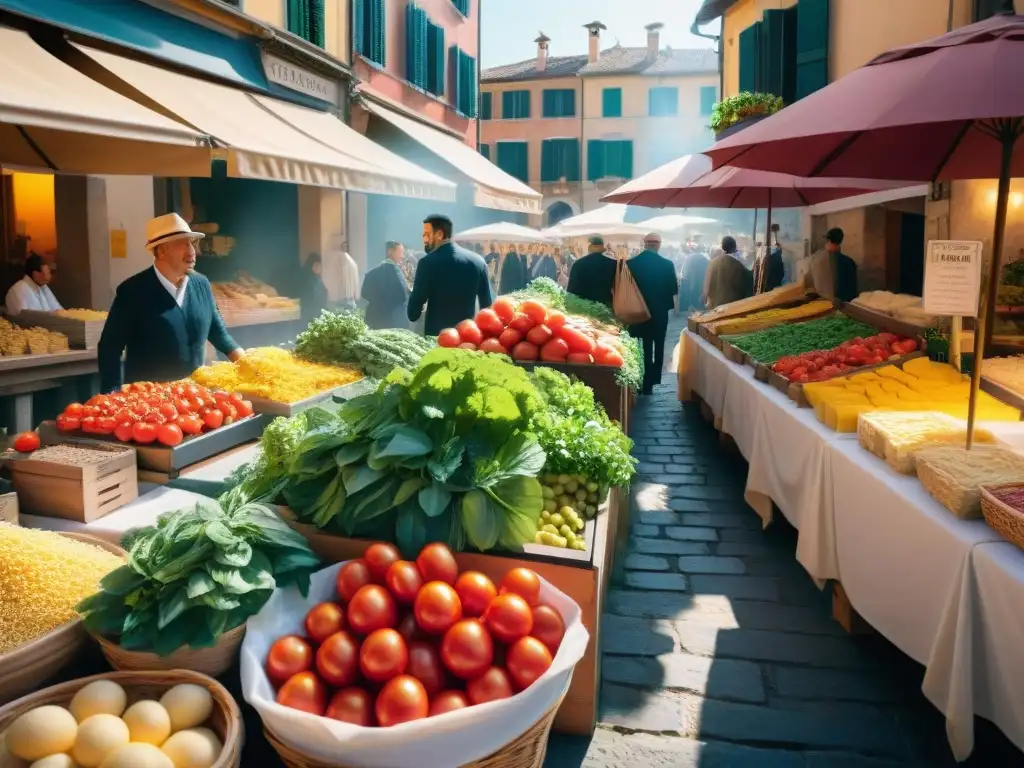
(527, 660)
(169, 434)
(555, 351)
(469, 332)
(229, 411)
(244, 408)
(613, 359)
(143, 433)
(425, 665)
(402, 699)
(353, 575)
(337, 660)
(522, 582)
(89, 425)
(524, 350)
(449, 337)
(90, 411)
(181, 405)
(601, 350)
(288, 656)
(26, 442)
(324, 620)
(98, 401)
(352, 705)
(509, 617)
(105, 425)
(124, 432)
(555, 319)
(467, 649)
(437, 607)
(304, 692)
(492, 685)
(581, 358)
(371, 608)
(504, 308)
(448, 701)
(379, 558)
(190, 424)
(409, 629)
(74, 410)
(383, 655)
(468, 345)
(548, 627)
(168, 410)
(221, 396)
(404, 581)
(510, 337)
(521, 323)
(476, 592)
(489, 323)
(539, 335)
(493, 347)
(66, 423)
(437, 563)
(213, 419)
(533, 309)
(124, 417)
(577, 340)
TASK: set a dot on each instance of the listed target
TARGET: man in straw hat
(655, 276)
(162, 317)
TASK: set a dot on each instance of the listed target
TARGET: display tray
(719, 341)
(161, 458)
(82, 334)
(1003, 393)
(881, 321)
(277, 408)
(795, 391)
(732, 354)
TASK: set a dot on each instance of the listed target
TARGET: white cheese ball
(188, 705)
(102, 697)
(98, 737)
(138, 756)
(42, 732)
(193, 748)
(54, 761)
(148, 722)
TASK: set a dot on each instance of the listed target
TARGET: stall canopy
(493, 188)
(502, 232)
(55, 117)
(259, 143)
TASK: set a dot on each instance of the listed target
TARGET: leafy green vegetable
(769, 345)
(344, 338)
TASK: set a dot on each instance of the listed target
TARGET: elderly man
(592, 277)
(386, 291)
(655, 276)
(33, 290)
(162, 317)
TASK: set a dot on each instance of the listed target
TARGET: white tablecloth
(708, 372)
(742, 406)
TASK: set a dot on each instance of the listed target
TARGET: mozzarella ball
(188, 706)
(98, 737)
(102, 697)
(42, 732)
(148, 722)
(138, 756)
(193, 748)
(54, 761)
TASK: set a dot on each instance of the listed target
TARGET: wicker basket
(226, 720)
(209, 661)
(26, 667)
(1005, 520)
(525, 751)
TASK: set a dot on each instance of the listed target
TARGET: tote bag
(627, 302)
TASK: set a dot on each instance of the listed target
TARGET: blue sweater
(161, 341)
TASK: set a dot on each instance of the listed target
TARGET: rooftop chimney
(653, 39)
(594, 28)
(542, 51)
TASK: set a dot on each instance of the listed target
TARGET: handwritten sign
(952, 277)
(118, 244)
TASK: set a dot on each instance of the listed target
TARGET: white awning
(53, 116)
(493, 188)
(503, 232)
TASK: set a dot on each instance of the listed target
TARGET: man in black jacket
(593, 276)
(385, 291)
(656, 278)
(843, 267)
(162, 317)
(449, 280)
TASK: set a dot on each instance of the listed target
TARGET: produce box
(613, 397)
(76, 482)
(881, 321)
(276, 408)
(806, 308)
(795, 390)
(82, 334)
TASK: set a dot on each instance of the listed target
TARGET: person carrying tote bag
(627, 302)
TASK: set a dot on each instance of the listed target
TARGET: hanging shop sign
(952, 277)
(298, 79)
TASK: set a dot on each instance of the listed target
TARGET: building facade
(575, 127)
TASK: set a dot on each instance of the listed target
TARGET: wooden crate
(795, 391)
(82, 494)
(82, 334)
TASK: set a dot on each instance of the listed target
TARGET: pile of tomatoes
(531, 331)
(408, 640)
(147, 412)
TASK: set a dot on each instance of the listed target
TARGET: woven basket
(225, 721)
(954, 476)
(1005, 520)
(208, 661)
(26, 667)
(525, 751)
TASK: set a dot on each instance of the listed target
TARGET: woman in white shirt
(33, 290)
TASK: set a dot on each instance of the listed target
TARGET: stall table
(21, 376)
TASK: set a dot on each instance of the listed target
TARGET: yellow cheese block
(924, 368)
(895, 374)
(874, 390)
(893, 386)
(914, 395)
(843, 417)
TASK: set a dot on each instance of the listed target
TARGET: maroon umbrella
(947, 108)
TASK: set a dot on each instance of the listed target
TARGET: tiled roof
(634, 61)
(712, 9)
(557, 66)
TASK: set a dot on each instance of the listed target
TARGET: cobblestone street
(719, 651)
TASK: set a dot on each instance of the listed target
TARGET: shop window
(663, 101)
(306, 19)
(812, 41)
(485, 150)
(559, 159)
(515, 105)
(368, 28)
(513, 159)
(462, 6)
(435, 58)
(486, 105)
(465, 85)
(559, 102)
(708, 97)
(416, 46)
(609, 158)
(611, 102)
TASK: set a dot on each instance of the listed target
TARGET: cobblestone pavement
(719, 651)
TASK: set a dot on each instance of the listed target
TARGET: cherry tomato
(98, 400)
(305, 691)
(448, 701)
(555, 351)
(221, 396)
(523, 582)
(401, 699)
(437, 563)
(383, 655)
(489, 323)
(351, 705)
(182, 406)
(468, 345)
(475, 591)
(168, 410)
(89, 425)
(533, 309)
(521, 323)
(404, 580)
(492, 347)
(190, 424)
(66, 423)
(229, 411)
(425, 665)
(437, 607)
(469, 333)
(527, 660)
(212, 418)
(353, 575)
(324, 620)
(524, 350)
(123, 416)
(169, 434)
(449, 337)
(555, 319)
(509, 338)
(371, 608)
(288, 656)
(492, 685)
(409, 629)
(379, 557)
(467, 649)
(124, 432)
(548, 627)
(74, 410)
(26, 442)
(337, 660)
(244, 408)
(539, 335)
(509, 617)
(90, 411)
(143, 432)
(505, 309)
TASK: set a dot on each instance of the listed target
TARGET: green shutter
(377, 32)
(435, 59)
(770, 66)
(559, 159)
(515, 105)
(611, 102)
(471, 106)
(416, 46)
(708, 96)
(359, 27)
(570, 159)
(662, 101)
(618, 159)
(750, 46)
(486, 105)
(595, 159)
(811, 46)
(789, 55)
(559, 102)
(317, 23)
(485, 150)
(513, 159)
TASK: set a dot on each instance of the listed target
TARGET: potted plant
(736, 112)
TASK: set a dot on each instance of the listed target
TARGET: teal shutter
(462, 6)
(750, 46)
(359, 27)
(435, 59)
(708, 96)
(515, 105)
(513, 159)
(611, 102)
(472, 87)
(789, 55)
(453, 62)
(811, 46)
(317, 23)
(416, 46)
(485, 150)
(377, 32)
(618, 159)
(548, 164)
(486, 105)
(662, 101)
(770, 65)
(595, 159)
(559, 159)
(296, 17)
(559, 102)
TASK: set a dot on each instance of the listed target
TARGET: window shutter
(571, 159)
(416, 46)
(317, 23)
(559, 158)
(749, 57)
(453, 63)
(770, 65)
(486, 105)
(485, 150)
(662, 101)
(789, 47)
(435, 59)
(984, 9)
(811, 46)
(547, 160)
(595, 159)
(359, 27)
(619, 159)
(473, 88)
(611, 102)
(377, 28)
(708, 96)
(513, 159)
(524, 104)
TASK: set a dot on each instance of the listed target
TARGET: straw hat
(166, 228)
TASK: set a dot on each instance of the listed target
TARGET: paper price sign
(952, 277)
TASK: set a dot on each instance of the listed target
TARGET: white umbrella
(503, 232)
(673, 223)
(590, 221)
